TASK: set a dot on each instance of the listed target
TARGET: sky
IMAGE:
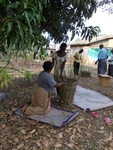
(104, 20)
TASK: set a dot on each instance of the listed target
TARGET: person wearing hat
(102, 60)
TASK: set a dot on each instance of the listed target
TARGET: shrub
(5, 78)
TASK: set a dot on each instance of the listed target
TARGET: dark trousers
(110, 70)
(76, 67)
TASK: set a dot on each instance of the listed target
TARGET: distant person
(41, 98)
(110, 66)
(59, 59)
(102, 60)
(77, 60)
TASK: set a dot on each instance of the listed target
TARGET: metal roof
(94, 40)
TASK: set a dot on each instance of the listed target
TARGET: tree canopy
(24, 23)
(106, 5)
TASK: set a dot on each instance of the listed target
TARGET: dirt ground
(83, 133)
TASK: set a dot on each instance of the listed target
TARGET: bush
(5, 78)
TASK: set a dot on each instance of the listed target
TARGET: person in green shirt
(77, 60)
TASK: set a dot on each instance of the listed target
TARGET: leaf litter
(82, 133)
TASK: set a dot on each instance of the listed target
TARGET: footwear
(88, 110)
(95, 114)
(107, 121)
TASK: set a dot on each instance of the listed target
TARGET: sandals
(107, 121)
(95, 114)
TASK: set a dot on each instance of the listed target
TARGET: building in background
(91, 49)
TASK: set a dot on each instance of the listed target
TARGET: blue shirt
(103, 54)
(46, 81)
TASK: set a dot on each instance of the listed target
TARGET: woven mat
(89, 99)
(55, 117)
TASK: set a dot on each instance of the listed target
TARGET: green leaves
(23, 23)
(89, 32)
(27, 75)
(18, 22)
(43, 53)
(5, 78)
(67, 16)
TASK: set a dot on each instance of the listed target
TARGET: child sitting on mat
(41, 98)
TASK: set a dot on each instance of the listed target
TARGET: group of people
(59, 59)
(102, 61)
(46, 83)
(41, 98)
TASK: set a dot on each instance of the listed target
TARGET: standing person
(77, 60)
(59, 59)
(110, 66)
(102, 60)
(41, 98)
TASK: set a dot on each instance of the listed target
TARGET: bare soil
(83, 133)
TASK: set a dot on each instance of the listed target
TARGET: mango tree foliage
(69, 15)
(105, 2)
(23, 23)
(106, 5)
(20, 22)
